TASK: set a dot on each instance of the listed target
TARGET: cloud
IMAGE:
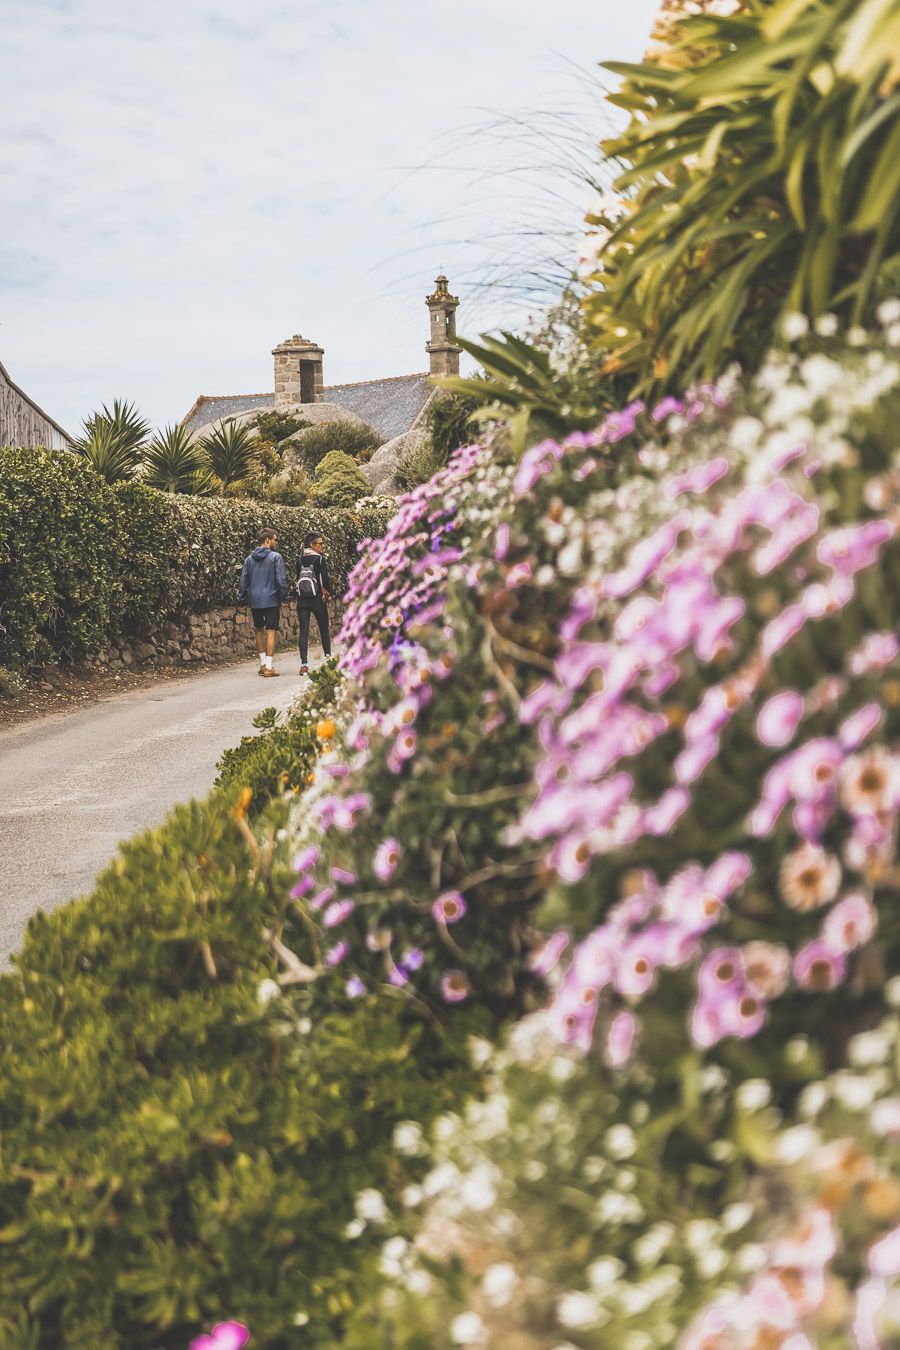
(184, 184)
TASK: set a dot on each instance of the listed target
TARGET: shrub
(113, 442)
(174, 462)
(81, 561)
(760, 177)
(667, 761)
(339, 481)
(280, 759)
(313, 443)
(230, 454)
(275, 427)
(180, 1142)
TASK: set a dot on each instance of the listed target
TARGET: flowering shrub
(664, 775)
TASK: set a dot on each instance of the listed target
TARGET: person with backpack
(313, 589)
(263, 586)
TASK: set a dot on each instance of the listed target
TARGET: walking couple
(264, 587)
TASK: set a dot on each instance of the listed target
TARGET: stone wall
(224, 634)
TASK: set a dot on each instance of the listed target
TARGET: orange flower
(326, 729)
(243, 801)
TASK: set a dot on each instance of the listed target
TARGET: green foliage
(58, 556)
(291, 487)
(339, 481)
(448, 421)
(280, 760)
(81, 561)
(174, 462)
(181, 1144)
(230, 454)
(524, 390)
(113, 441)
(417, 466)
(275, 427)
(762, 175)
(314, 443)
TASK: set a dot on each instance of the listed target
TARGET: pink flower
(851, 923)
(768, 967)
(545, 958)
(659, 819)
(860, 724)
(306, 883)
(779, 718)
(884, 1256)
(818, 967)
(336, 913)
(809, 877)
(454, 987)
(699, 479)
(501, 547)
(305, 859)
(722, 971)
(449, 907)
(387, 856)
(224, 1336)
(335, 955)
(345, 877)
(876, 651)
(355, 987)
(854, 547)
(645, 558)
(620, 1038)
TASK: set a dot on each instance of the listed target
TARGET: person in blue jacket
(263, 587)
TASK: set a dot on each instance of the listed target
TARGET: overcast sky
(184, 183)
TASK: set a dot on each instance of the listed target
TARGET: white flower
(354, 1228)
(711, 1262)
(753, 1095)
(722, 1150)
(478, 1191)
(751, 1258)
(304, 1026)
(855, 1091)
(713, 1078)
(868, 1048)
(408, 1138)
(412, 1196)
(441, 1178)
(888, 311)
(797, 1049)
(826, 325)
(370, 1206)
(419, 1282)
(796, 1144)
(700, 1233)
(892, 992)
(893, 335)
(794, 327)
(737, 1216)
(650, 1246)
(534, 1170)
(480, 1051)
(603, 1273)
(446, 1127)
(620, 1142)
(467, 1329)
(561, 1068)
(300, 1319)
(812, 1100)
(266, 990)
(498, 1283)
(577, 1310)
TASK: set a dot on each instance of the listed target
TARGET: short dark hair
(312, 537)
(267, 532)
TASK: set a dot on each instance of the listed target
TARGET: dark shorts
(267, 618)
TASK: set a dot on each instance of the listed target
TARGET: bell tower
(441, 348)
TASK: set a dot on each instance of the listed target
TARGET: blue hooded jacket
(263, 580)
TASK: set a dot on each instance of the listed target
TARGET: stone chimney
(298, 372)
(442, 351)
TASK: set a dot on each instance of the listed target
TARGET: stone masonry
(224, 634)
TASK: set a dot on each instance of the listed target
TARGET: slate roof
(389, 406)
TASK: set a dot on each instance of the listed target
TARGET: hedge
(82, 561)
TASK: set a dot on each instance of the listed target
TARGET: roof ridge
(380, 379)
(207, 398)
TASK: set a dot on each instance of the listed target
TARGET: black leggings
(304, 614)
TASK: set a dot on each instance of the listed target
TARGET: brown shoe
(261, 671)
(269, 672)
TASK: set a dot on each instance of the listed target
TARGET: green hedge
(82, 561)
(181, 1143)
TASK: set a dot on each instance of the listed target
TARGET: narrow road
(73, 787)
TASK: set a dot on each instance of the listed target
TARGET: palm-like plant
(112, 440)
(174, 461)
(762, 176)
(230, 453)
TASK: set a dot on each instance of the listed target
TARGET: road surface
(73, 786)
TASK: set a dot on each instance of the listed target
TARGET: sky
(185, 183)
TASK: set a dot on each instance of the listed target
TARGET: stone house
(393, 406)
(23, 423)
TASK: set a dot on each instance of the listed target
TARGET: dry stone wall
(217, 635)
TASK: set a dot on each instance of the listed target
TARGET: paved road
(73, 786)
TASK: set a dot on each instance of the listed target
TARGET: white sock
(268, 661)
(262, 658)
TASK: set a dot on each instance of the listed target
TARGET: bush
(311, 445)
(280, 760)
(760, 177)
(180, 1142)
(339, 481)
(114, 441)
(667, 760)
(82, 561)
